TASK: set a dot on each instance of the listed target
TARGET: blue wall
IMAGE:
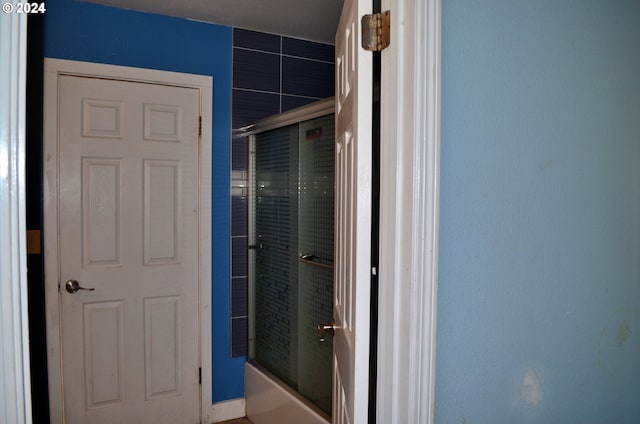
(92, 33)
(539, 284)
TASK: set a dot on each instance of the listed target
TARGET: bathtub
(270, 401)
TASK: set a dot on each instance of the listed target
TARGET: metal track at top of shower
(293, 116)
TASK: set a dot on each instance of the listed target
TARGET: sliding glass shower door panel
(276, 285)
(315, 271)
(292, 193)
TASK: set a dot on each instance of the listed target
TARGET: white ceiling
(309, 19)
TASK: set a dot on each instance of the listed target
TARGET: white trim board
(15, 380)
(409, 199)
(227, 410)
(54, 68)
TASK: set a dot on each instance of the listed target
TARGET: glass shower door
(315, 269)
(275, 311)
(293, 192)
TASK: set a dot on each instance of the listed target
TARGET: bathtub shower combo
(291, 233)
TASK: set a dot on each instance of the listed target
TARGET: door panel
(162, 217)
(353, 218)
(104, 353)
(162, 346)
(101, 212)
(128, 228)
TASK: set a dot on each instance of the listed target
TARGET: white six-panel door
(353, 218)
(128, 228)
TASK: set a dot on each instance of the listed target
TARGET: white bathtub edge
(269, 403)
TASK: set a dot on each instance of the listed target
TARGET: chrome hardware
(323, 329)
(311, 259)
(73, 286)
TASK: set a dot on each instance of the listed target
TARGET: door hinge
(200, 125)
(200, 375)
(376, 31)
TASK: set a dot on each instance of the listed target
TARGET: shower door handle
(323, 329)
(311, 259)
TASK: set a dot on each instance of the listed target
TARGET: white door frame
(53, 68)
(15, 380)
(409, 199)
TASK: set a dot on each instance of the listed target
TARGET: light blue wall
(92, 33)
(539, 285)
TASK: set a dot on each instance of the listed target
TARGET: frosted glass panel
(276, 285)
(315, 242)
(294, 221)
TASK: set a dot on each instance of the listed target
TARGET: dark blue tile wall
(307, 49)
(254, 70)
(249, 106)
(239, 338)
(292, 102)
(239, 297)
(238, 257)
(239, 157)
(271, 74)
(239, 210)
(307, 78)
(256, 40)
